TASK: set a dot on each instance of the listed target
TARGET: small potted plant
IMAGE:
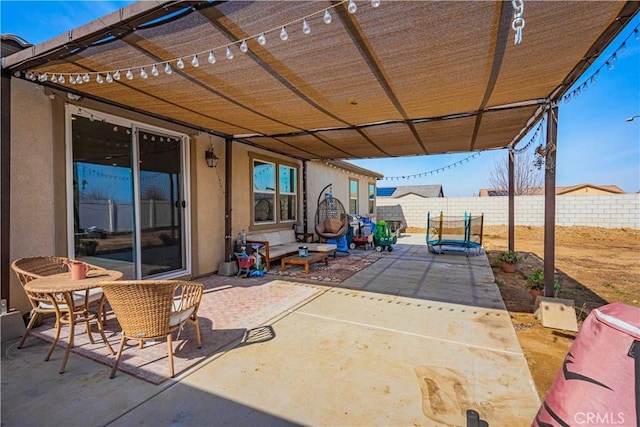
(535, 284)
(509, 260)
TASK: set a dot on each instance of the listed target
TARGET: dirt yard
(594, 266)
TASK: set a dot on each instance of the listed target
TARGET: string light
(110, 75)
(533, 138)
(327, 17)
(283, 34)
(434, 171)
(351, 8)
(610, 64)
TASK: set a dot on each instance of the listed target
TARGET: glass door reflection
(103, 204)
(161, 203)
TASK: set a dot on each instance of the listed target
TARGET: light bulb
(143, 73)
(129, 75)
(79, 79)
(375, 3)
(283, 34)
(109, 79)
(243, 46)
(229, 53)
(262, 40)
(154, 70)
(623, 47)
(54, 79)
(306, 29)
(194, 61)
(61, 78)
(352, 7)
(85, 78)
(211, 58)
(180, 63)
(167, 68)
(99, 79)
(116, 75)
(72, 80)
(327, 17)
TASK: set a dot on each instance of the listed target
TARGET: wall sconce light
(210, 157)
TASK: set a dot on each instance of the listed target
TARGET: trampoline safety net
(465, 232)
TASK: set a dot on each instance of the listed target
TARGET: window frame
(371, 201)
(357, 197)
(277, 222)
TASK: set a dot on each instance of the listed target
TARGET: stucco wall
(609, 211)
(32, 229)
(38, 187)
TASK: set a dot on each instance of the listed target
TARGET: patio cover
(405, 78)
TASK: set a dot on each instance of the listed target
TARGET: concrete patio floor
(414, 339)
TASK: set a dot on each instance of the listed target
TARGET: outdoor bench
(281, 243)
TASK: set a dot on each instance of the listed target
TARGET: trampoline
(454, 233)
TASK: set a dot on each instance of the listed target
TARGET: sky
(595, 144)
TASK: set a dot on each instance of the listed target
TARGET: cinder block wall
(608, 211)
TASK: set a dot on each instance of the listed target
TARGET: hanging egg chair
(331, 217)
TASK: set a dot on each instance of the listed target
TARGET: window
(372, 198)
(287, 180)
(264, 191)
(275, 191)
(353, 196)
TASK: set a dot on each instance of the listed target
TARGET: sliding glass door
(128, 205)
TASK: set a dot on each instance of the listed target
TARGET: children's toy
(359, 233)
(250, 265)
(382, 237)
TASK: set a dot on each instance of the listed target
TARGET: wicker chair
(31, 268)
(152, 309)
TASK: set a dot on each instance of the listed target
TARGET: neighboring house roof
(613, 189)
(11, 43)
(418, 190)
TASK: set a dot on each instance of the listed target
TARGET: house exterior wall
(39, 194)
(608, 211)
(32, 211)
(320, 174)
